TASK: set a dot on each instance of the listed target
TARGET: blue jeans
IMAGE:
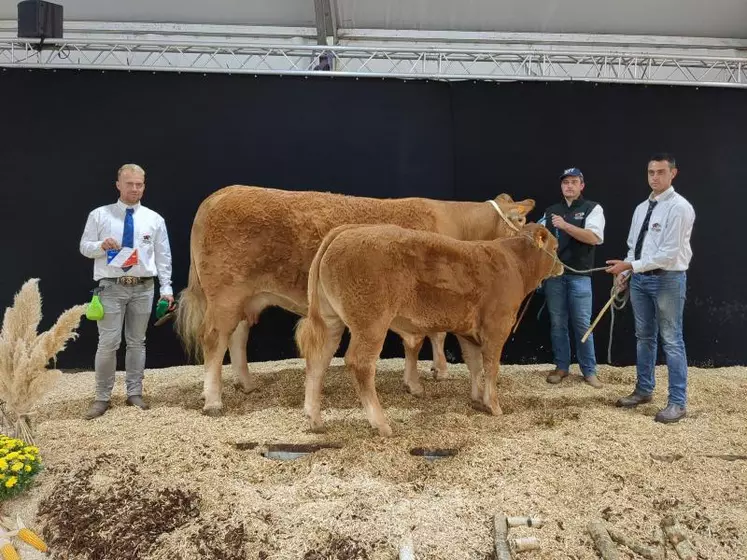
(569, 297)
(658, 303)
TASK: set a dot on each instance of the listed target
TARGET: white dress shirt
(151, 241)
(595, 222)
(667, 241)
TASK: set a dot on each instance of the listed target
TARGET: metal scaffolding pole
(416, 62)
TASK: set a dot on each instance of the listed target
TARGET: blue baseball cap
(572, 172)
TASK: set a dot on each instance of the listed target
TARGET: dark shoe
(557, 376)
(137, 400)
(634, 399)
(593, 380)
(97, 409)
(672, 413)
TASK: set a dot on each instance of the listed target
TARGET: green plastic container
(161, 308)
(95, 311)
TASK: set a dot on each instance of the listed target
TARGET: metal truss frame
(409, 62)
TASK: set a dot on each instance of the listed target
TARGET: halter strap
(503, 215)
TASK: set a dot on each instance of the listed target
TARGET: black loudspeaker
(39, 20)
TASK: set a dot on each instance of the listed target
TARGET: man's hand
(616, 266)
(559, 222)
(621, 281)
(109, 243)
(170, 299)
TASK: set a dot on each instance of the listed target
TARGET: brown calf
(375, 278)
(252, 247)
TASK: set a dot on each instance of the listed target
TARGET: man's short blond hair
(134, 167)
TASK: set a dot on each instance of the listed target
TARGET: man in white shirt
(578, 223)
(130, 247)
(659, 255)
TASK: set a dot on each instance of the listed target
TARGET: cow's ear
(503, 197)
(524, 207)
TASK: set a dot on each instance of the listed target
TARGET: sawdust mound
(103, 510)
(339, 548)
(219, 536)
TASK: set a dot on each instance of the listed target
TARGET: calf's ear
(503, 197)
(541, 235)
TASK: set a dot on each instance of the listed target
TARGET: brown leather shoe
(634, 399)
(137, 400)
(672, 413)
(593, 380)
(557, 376)
(96, 409)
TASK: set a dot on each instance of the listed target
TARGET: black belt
(654, 272)
(130, 280)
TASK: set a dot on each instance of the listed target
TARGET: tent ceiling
(695, 18)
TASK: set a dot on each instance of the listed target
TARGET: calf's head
(546, 244)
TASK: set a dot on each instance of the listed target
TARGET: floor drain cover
(291, 451)
(431, 454)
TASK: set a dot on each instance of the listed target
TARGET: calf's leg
(491, 361)
(316, 368)
(360, 359)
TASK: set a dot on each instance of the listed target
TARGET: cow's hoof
(479, 406)
(213, 411)
(415, 390)
(239, 386)
(438, 374)
(317, 428)
(385, 431)
(493, 409)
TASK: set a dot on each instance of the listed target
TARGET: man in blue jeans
(578, 224)
(659, 255)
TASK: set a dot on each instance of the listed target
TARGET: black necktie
(644, 229)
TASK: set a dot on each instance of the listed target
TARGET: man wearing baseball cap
(578, 224)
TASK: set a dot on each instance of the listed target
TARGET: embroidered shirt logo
(147, 239)
(578, 216)
(656, 227)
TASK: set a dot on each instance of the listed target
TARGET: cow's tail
(190, 313)
(311, 331)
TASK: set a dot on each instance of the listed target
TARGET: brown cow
(252, 247)
(375, 278)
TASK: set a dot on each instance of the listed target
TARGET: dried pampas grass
(24, 356)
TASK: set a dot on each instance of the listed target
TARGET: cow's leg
(215, 351)
(243, 380)
(440, 366)
(360, 359)
(413, 343)
(472, 356)
(316, 368)
(220, 322)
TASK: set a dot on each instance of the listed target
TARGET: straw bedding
(170, 483)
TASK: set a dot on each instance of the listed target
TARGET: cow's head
(515, 212)
(547, 243)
